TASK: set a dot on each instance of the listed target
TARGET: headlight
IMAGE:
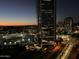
(5, 43)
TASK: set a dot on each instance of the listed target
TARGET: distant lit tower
(47, 18)
(68, 25)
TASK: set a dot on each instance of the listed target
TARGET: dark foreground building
(47, 18)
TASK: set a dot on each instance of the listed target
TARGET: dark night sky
(17, 12)
(66, 8)
(20, 12)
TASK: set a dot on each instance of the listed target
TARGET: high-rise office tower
(68, 25)
(47, 19)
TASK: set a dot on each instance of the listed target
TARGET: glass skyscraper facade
(68, 24)
(47, 18)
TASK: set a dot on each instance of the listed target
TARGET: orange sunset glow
(16, 23)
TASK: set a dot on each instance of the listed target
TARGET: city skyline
(24, 12)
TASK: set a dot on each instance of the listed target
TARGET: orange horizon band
(16, 23)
